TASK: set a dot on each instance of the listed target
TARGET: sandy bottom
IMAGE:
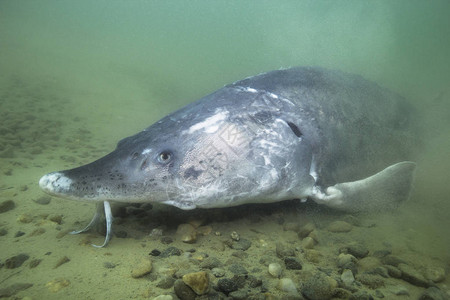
(42, 130)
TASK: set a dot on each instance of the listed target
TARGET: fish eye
(165, 156)
(134, 155)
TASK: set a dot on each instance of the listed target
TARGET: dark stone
(14, 289)
(237, 269)
(3, 232)
(166, 282)
(412, 276)
(109, 265)
(166, 240)
(16, 261)
(155, 252)
(358, 250)
(392, 260)
(254, 282)
(227, 285)
(242, 244)
(292, 263)
(433, 293)
(210, 263)
(7, 205)
(19, 233)
(361, 295)
(318, 287)
(171, 251)
(183, 291)
(240, 280)
(34, 263)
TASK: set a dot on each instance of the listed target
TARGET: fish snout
(54, 183)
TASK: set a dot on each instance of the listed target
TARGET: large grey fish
(297, 133)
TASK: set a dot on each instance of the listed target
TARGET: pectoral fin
(374, 193)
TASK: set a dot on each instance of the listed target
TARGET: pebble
(227, 285)
(198, 282)
(171, 251)
(319, 287)
(3, 232)
(347, 277)
(275, 270)
(313, 256)
(368, 263)
(291, 226)
(166, 282)
(239, 295)
(340, 226)
(7, 205)
(210, 263)
(412, 276)
(393, 271)
(14, 289)
(237, 269)
(241, 244)
(218, 272)
(287, 285)
(234, 236)
(25, 218)
(357, 250)
(183, 291)
(308, 242)
(187, 233)
(306, 230)
(292, 263)
(372, 281)
(57, 284)
(61, 261)
(16, 261)
(435, 274)
(433, 293)
(44, 200)
(56, 219)
(143, 267)
(282, 250)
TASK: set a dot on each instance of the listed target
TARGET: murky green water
(77, 76)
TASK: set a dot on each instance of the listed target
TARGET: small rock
(237, 269)
(57, 284)
(109, 265)
(218, 272)
(368, 263)
(61, 261)
(34, 263)
(204, 230)
(198, 282)
(44, 200)
(347, 277)
(308, 242)
(241, 244)
(166, 282)
(282, 250)
(239, 295)
(166, 240)
(19, 233)
(234, 236)
(433, 293)
(171, 251)
(3, 232)
(7, 206)
(227, 285)
(306, 230)
(399, 290)
(412, 276)
(361, 295)
(393, 271)
(210, 263)
(357, 250)
(435, 274)
(25, 218)
(287, 285)
(292, 263)
(313, 256)
(16, 261)
(187, 233)
(155, 252)
(372, 281)
(56, 218)
(319, 287)
(340, 226)
(275, 270)
(142, 268)
(392, 260)
(37, 231)
(183, 291)
(14, 289)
